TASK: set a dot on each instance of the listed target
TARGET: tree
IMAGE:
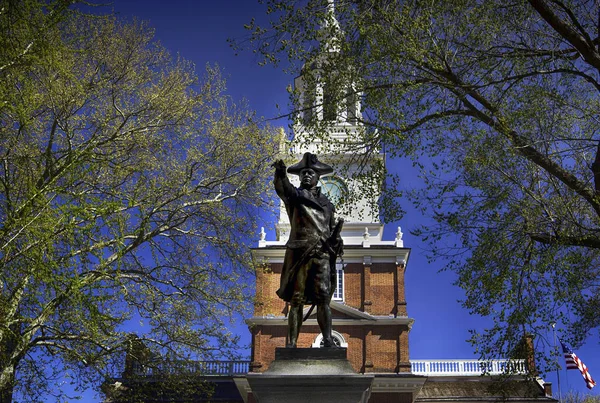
(497, 102)
(126, 197)
(574, 397)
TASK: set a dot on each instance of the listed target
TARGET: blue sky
(198, 31)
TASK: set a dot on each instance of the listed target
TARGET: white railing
(221, 368)
(467, 367)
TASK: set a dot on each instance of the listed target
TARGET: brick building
(369, 314)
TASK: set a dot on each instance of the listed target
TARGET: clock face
(333, 188)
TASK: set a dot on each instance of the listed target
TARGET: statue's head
(308, 178)
(310, 170)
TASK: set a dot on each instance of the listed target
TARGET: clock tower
(369, 306)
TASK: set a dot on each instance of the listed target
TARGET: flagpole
(558, 366)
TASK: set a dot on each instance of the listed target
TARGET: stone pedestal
(300, 375)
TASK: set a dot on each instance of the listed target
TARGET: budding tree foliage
(128, 192)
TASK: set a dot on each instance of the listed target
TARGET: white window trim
(339, 267)
(335, 335)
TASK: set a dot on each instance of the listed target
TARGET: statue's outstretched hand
(280, 168)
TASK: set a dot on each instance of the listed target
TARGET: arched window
(329, 102)
(338, 340)
(351, 106)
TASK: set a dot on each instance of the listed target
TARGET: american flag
(573, 362)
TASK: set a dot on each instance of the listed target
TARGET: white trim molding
(336, 335)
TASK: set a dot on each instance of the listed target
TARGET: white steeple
(330, 33)
(335, 106)
(324, 93)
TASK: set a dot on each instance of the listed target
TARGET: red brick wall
(401, 295)
(381, 286)
(383, 290)
(266, 300)
(370, 348)
(265, 339)
(377, 289)
(353, 285)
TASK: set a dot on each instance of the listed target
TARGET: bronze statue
(312, 248)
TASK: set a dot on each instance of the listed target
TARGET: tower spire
(330, 30)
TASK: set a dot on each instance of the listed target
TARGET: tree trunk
(6, 395)
(6, 390)
(7, 368)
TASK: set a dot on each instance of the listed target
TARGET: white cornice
(282, 321)
(355, 317)
(397, 383)
(349, 311)
(395, 255)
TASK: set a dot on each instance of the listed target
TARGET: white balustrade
(467, 367)
(418, 367)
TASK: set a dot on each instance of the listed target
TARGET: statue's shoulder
(325, 202)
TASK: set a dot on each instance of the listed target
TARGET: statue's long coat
(312, 221)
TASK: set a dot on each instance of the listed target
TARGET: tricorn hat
(310, 161)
